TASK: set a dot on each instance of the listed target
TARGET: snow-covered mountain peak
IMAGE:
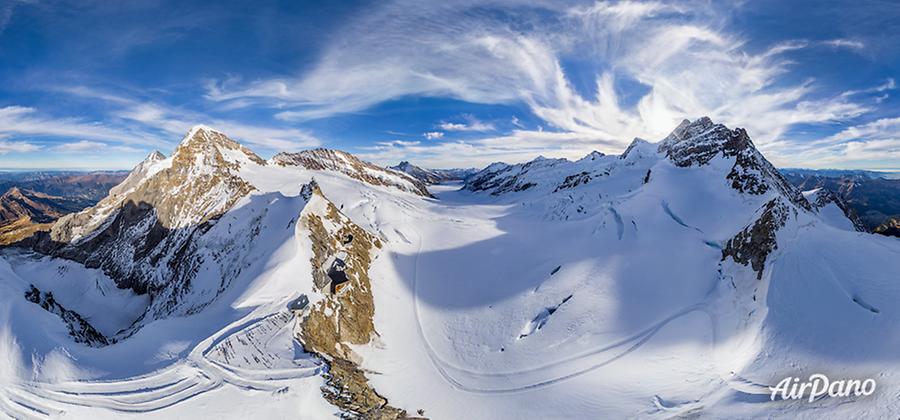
(695, 143)
(688, 129)
(699, 142)
(154, 156)
(345, 163)
(207, 146)
(594, 155)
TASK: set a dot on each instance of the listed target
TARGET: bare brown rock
(345, 316)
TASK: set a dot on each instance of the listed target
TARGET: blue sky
(100, 84)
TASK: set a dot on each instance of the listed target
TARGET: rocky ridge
(433, 176)
(347, 164)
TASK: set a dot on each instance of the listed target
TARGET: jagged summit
(199, 128)
(696, 142)
(699, 142)
(155, 156)
(691, 144)
(688, 129)
(214, 146)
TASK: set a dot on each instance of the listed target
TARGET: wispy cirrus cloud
(87, 146)
(17, 146)
(845, 43)
(875, 144)
(174, 121)
(681, 53)
(27, 121)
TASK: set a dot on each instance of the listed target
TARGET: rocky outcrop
(80, 330)
(350, 165)
(752, 245)
(891, 227)
(348, 388)
(573, 181)
(344, 316)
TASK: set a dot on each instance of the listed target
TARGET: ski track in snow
(625, 347)
(195, 375)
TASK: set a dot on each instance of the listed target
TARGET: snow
(609, 299)
(86, 291)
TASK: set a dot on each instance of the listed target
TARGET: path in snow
(549, 373)
(197, 374)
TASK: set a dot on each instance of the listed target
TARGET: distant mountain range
(433, 176)
(32, 199)
(873, 196)
(91, 186)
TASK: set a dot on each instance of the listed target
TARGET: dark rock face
(697, 143)
(80, 330)
(754, 243)
(891, 227)
(573, 181)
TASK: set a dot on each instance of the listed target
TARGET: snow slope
(679, 279)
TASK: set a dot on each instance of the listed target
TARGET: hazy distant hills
(874, 196)
(30, 200)
(91, 186)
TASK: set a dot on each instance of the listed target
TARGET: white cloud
(17, 147)
(81, 146)
(845, 43)
(681, 52)
(176, 122)
(868, 145)
(19, 120)
(434, 135)
(518, 146)
(470, 124)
